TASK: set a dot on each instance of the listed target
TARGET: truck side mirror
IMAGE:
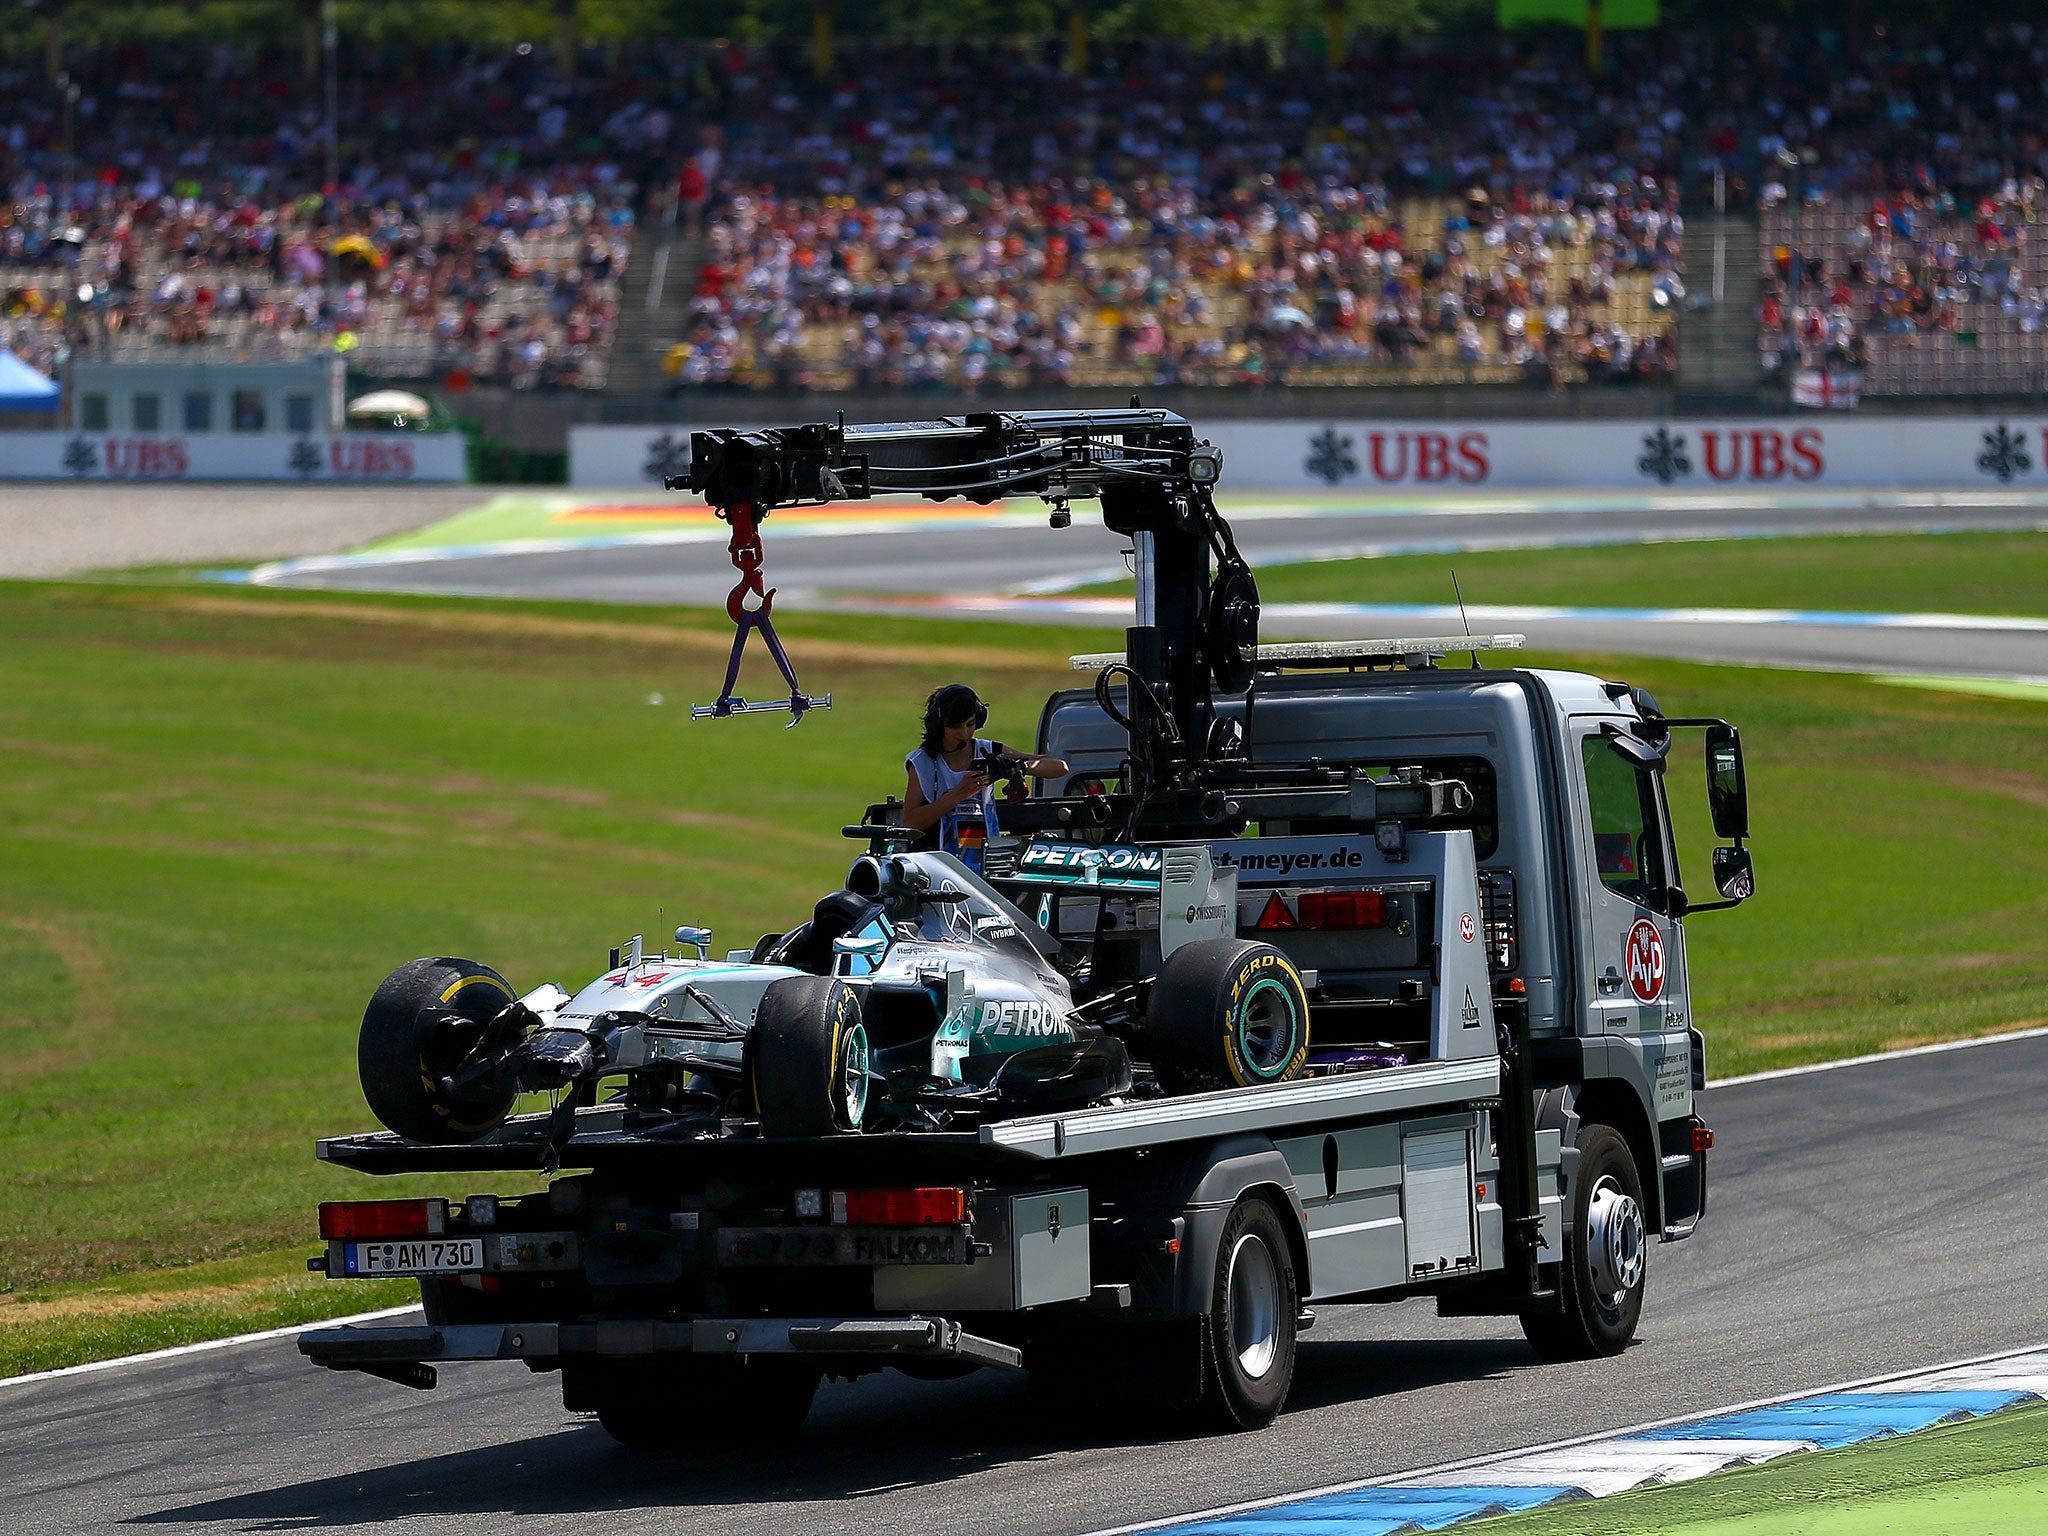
(1727, 791)
(1733, 877)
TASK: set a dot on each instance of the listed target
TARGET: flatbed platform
(602, 1139)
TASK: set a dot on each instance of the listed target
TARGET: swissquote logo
(1644, 961)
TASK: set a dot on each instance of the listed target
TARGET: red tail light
(899, 1207)
(383, 1218)
(1342, 909)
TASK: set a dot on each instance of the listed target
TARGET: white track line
(1391, 1478)
(1862, 1061)
(203, 1346)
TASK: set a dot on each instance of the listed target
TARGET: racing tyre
(1225, 1013)
(1254, 1302)
(808, 1058)
(423, 1022)
(692, 1402)
(1606, 1256)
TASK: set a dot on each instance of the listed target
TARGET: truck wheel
(808, 1058)
(421, 1024)
(1253, 1306)
(692, 1402)
(1226, 1013)
(1606, 1256)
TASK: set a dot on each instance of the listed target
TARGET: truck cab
(1582, 906)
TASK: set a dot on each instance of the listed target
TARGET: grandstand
(687, 215)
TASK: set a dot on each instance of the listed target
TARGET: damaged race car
(919, 997)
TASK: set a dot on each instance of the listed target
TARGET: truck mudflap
(387, 1352)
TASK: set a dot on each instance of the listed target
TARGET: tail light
(899, 1207)
(1702, 1139)
(1341, 909)
(383, 1218)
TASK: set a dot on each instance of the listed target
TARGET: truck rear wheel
(423, 1022)
(693, 1401)
(808, 1058)
(1606, 1256)
(1254, 1302)
(1226, 1013)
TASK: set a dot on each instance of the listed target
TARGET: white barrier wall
(412, 457)
(1464, 457)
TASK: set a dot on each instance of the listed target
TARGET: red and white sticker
(1467, 929)
(1644, 961)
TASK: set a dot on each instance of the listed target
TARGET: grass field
(227, 815)
(1987, 1477)
(2001, 573)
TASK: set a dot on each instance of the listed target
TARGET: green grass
(2001, 573)
(45, 1327)
(1987, 1477)
(226, 814)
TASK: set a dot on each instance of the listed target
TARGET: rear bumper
(377, 1350)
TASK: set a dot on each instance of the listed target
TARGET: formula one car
(918, 997)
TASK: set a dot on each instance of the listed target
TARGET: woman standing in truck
(949, 795)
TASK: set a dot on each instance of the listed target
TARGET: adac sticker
(1644, 961)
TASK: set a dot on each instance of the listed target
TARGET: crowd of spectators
(478, 220)
(1901, 191)
(1189, 217)
(969, 217)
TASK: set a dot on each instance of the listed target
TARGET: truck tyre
(808, 1058)
(421, 1024)
(1254, 1302)
(1226, 1013)
(1606, 1256)
(720, 1402)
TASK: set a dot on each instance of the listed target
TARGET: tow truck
(1464, 876)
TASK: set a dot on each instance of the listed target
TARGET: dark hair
(954, 704)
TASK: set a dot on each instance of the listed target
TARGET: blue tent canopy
(22, 388)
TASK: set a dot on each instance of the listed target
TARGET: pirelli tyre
(1606, 1258)
(1226, 1013)
(427, 1019)
(808, 1058)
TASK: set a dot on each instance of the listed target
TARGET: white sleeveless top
(936, 779)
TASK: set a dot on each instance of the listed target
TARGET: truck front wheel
(1606, 1257)
(1254, 1303)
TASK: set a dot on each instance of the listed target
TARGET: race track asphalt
(1873, 1218)
(934, 564)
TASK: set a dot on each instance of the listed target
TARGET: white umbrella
(388, 402)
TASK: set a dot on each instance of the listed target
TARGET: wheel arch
(1235, 1168)
(1614, 1103)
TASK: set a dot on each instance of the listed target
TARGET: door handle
(1611, 982)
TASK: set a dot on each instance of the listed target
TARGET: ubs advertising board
(1461, 458)
(344, 457)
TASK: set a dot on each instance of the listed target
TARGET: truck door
(1636, 950)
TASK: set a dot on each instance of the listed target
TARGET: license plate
(417, 1256)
